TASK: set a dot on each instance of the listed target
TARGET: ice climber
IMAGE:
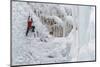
(29, 25)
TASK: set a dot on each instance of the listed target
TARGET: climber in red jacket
(29, 25)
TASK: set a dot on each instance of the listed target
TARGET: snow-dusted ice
(73, 37)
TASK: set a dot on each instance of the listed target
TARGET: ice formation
(43, 48)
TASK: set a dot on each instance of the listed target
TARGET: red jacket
(29, 24)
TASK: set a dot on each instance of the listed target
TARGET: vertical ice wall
(30, 50)
(86, 33)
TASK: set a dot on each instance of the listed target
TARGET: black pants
(33, 29)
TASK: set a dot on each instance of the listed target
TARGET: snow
(40, 47)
